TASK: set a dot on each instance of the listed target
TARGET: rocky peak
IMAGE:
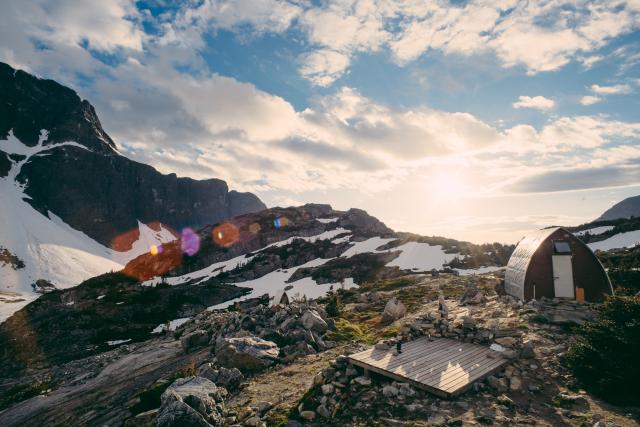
(29, 104)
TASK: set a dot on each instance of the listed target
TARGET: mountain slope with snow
(47, 247)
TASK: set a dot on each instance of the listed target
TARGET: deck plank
(441, 366)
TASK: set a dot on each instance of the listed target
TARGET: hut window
(561, 247)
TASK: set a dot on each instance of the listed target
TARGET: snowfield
(628, 239)
(50, 248)
(421, 257)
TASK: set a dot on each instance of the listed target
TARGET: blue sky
(473, 119)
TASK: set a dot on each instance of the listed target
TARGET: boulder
(472, 295)
(312, 321)
(393, 310)
(528, 351)
(363, 381)
(308, 415)
(323, 411)
(500, 384)
(390, 391)
(227, 378)
(191, 401)
(193, 340)
(246, 353)
(506, 341)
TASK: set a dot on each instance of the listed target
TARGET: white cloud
(590, 100)
(103, 26)
(611, 90)
(322, 67)
(537, 102)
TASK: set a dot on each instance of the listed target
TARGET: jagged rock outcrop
(96, 190)
(246, 353)
(192, 401)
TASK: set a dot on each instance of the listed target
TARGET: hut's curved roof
(519, 262)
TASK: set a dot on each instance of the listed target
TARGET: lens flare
(254, 228)
(225, 234)
(281, 222)
(189, 241)
(156, 250)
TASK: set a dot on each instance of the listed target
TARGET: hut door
(562, 276)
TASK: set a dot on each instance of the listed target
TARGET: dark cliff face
(96, 190)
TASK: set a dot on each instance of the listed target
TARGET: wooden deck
(442, 366)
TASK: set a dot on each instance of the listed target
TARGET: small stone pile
(343, 386)
(270, 333)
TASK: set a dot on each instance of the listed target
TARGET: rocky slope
(71, 203)
(285, 365)
(627, 208)
(306, 251)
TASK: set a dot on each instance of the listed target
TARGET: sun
(447, 185)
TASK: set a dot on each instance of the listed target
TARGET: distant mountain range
(629, 207)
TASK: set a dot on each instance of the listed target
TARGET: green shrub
(334, 306)
(604, 358)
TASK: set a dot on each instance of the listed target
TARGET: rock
(461, 404)
(383, 346)
(308, 415)
(227, 378)
(568, 400)
(472, 295)
(500, 384)
(363, 381)
(505, 400)
(312, 321)
(468, 322)
(246, 353)
(528, 351)
(193, 340)
(192, 401)
(390, 391)
(515, 383)
(327, 389)
(323, 411)
(143, 419)
(264, 406)
(436, 419)
(393, 310)
(506, 341)
(254, 422)
(406, 390)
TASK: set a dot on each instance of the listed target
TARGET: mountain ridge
(627, 208)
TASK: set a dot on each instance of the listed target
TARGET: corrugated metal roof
(519, 262)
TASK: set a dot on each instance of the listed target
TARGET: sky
(477, 120)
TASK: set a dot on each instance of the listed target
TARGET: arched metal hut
(552, 262)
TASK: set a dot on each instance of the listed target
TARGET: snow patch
(628, 239)
(369, 245)
(118, 342)
(171, 325)
(421, 256)
(595, 231)
(270, 283)
(479, 270)
(327, 220)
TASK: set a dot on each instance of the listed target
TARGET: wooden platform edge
(436, 391)
(432, 390)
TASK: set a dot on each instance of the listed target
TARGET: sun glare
(447, 185)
